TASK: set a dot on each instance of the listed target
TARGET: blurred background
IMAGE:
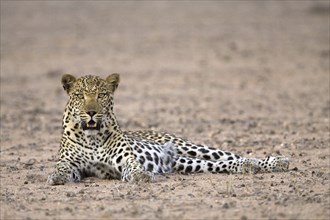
(136, 37)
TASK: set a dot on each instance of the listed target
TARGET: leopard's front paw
(60, 177)
(140, 176)
(57, 178)
(144, 177)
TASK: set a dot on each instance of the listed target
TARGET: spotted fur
(93, 144)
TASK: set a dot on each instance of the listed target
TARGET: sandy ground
(246, 76)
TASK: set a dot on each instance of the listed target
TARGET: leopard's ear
(67, 82)
(113, 81)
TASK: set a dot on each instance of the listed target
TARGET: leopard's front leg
(63, 173)
(134, 172)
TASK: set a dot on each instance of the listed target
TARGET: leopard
(94, 145)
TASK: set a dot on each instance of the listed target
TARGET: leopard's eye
(102, 95)
(79, 95)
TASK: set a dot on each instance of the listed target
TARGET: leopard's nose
(91, 113)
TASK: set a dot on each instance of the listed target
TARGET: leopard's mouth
(91, 125)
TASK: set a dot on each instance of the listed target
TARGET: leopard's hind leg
(225, 161)
(241, 165)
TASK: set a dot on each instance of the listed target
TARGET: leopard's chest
(95, 160)
(100, 164)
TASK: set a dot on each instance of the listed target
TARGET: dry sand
(246, 76)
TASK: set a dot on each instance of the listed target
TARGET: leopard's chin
(91, 125)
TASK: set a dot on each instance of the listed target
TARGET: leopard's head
(90, 98)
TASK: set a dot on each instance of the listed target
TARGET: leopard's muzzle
(91, 123)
